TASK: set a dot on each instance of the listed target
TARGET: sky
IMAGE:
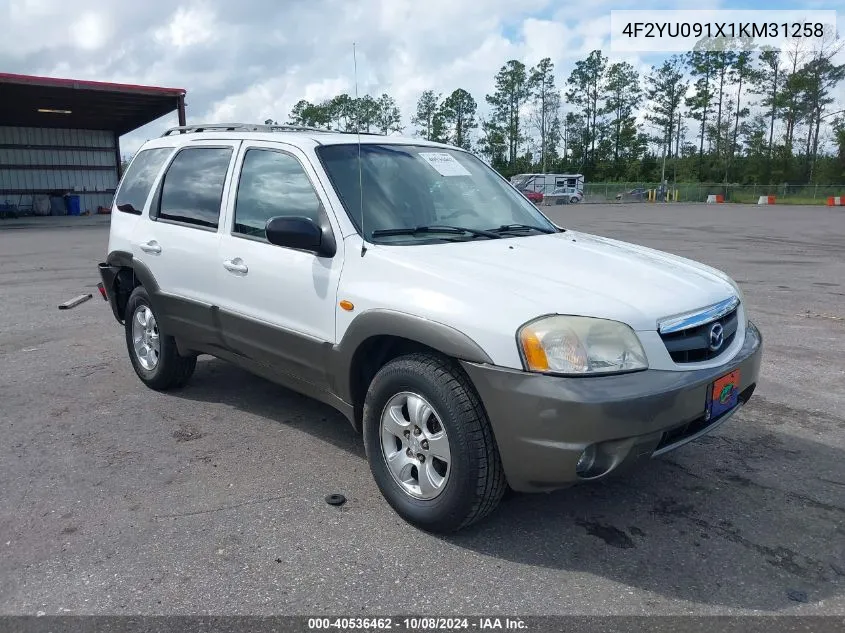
(249, 60)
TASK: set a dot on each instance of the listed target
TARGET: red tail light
(102, 290)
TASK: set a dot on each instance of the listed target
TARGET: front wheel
(429, 444)
(154, 355)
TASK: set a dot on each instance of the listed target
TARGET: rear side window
(193, 186)
(272, 184)
(139, 179)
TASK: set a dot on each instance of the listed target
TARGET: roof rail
(251, 127)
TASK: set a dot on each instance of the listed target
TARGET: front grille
(693, 345)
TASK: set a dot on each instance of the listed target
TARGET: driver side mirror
(301, 233)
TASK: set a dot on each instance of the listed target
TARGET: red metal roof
(31, 101)
(35, 80)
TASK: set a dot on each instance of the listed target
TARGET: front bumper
(543, 424)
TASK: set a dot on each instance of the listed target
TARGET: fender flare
(382, 322)
(117, 260)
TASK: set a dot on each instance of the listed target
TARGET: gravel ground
(120, 500)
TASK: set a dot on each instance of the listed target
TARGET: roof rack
(252, 127)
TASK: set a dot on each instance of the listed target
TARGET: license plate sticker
(724, 394)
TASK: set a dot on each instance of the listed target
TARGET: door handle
(236, 266)
(151, 247)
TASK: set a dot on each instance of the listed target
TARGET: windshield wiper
(505, 228)
(413, 230)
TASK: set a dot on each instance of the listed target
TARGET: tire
(574, 200)
(170, 370)
(473, 482)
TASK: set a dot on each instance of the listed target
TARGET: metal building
(61, 137)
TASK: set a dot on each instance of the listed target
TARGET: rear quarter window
(138, 180)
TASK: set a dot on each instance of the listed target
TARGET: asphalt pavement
(210, 500)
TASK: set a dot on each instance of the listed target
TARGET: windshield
(408, 186)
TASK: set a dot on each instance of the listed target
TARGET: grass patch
(741, 198)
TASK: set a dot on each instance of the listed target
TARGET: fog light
(586, 461)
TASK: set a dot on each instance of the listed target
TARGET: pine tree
(427, 114)
(458, 115)
(584, 91)
(766, 80)
(622, 96)
(510, 94)
(666, 88)
(388, 117)
(493, 144)
(738, 74)
(546, 100)
(700, 63)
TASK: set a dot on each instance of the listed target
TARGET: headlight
(580, 345)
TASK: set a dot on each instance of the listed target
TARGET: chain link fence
(698, 192)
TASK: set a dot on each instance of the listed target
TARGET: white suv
(475, 344)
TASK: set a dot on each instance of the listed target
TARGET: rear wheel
(154, 355)
(574, 200)
(429, 444)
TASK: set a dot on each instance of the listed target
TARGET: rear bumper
(108, 274)
(543, 424)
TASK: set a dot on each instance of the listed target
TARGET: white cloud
(44, 26)
(188, 27)
(254, 59)
(90, 31)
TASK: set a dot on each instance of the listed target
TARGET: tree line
(446, 120)
(729, 114)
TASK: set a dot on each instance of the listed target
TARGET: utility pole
(565, 142)
(663, 170)
(813, 161)
(543, 141)
(677, 150)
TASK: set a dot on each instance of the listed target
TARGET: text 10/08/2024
(417, 624)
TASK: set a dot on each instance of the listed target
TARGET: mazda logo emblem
(717, 337)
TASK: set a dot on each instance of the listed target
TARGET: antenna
(360, 168)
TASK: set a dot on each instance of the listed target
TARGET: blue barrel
(58, 206)
(73, 205)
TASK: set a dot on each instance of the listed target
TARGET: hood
(570, 273)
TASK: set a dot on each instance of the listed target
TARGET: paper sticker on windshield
(444, 163)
